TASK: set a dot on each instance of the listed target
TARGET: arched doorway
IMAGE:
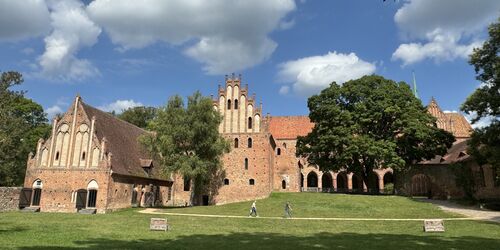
(388, 183)
(37, 193)
(342, 182)
(283, 184)
(420, 185)
(356, 183)
(312, 179)
(373, 183)
(92, 188)
(326, 182)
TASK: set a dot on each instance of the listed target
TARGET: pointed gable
(454, 123)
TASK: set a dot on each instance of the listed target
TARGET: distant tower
(415, 92)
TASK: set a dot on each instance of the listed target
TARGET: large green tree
(186, 141)
(22, 123)
(370, 123)
(484, 102)
(139, 116)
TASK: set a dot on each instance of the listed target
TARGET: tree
(22, 123)
(186, 141)
(139, 116)
(370, 123)
(484, 102)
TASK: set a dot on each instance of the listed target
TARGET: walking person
(288, 210)
(253, 210)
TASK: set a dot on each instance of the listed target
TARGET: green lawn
(130, 230)
(328, 205)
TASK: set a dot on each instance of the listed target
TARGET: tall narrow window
(249, 122)
(249, 142)
(278, 151)
(235, 103)
(236, 142)
(57, 155)
(83, 156)
(228, 104)
(246, 163)
(187, 183)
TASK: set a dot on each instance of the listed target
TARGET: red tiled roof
(457, 153)
(289, 127)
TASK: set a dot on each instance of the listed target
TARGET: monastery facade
(93, 162)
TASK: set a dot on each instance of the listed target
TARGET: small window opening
(251, 182)
(83, 156)
(249, 122)
(228, 104)
(249, 142)
(236, 104)
(236, 142)
(226, 181)
(246, 163)
(278, 151)
(57, 155)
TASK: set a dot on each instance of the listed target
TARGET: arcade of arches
(312, 179)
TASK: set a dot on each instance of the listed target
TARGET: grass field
(129, 229)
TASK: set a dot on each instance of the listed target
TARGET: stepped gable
(457, 153)
(454, 123)
(128, 155)
(289, 127)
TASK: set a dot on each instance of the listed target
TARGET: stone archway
(373, 183)
(388, 182)
(342, 181)
(356, 183)
(326, 182)
(312, 179)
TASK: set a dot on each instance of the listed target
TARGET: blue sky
(117, 54)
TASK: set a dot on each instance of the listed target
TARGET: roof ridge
(85, 105)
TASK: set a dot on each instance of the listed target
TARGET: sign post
(158, 224)
(436, 225)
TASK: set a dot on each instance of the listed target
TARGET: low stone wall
(9, 198)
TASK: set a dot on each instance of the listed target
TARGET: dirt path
(469, 211)
(160, 211)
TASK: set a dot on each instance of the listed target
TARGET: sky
(123, 53)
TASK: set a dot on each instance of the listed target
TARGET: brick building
(93, 161)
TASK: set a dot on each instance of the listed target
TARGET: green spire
(415, 92)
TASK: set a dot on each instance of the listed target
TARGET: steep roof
(454, 123)
(128, 155)
(456, 153)
(289, 127)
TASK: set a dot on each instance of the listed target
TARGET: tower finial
(415, 92)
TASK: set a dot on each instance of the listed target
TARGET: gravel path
(469, 211)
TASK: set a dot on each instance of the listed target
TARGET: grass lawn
(129, 229)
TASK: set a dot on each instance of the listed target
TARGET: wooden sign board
(158, 224)
(433, 225)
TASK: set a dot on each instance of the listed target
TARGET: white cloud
(446, 29)
(284, 90)
(53, 111)
(309, 75)
(23, 19)
(450, 111)
(483, 122)
(27, 51)
(441, 47)
(72, 30)
(119, 106)
(225, 36)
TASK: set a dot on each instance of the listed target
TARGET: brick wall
(9, 198)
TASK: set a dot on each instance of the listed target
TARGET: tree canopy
(139, 116)
(22, 123)
(484, 102)
(186, 141)
(370, 123)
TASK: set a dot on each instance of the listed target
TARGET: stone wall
(9, 198)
